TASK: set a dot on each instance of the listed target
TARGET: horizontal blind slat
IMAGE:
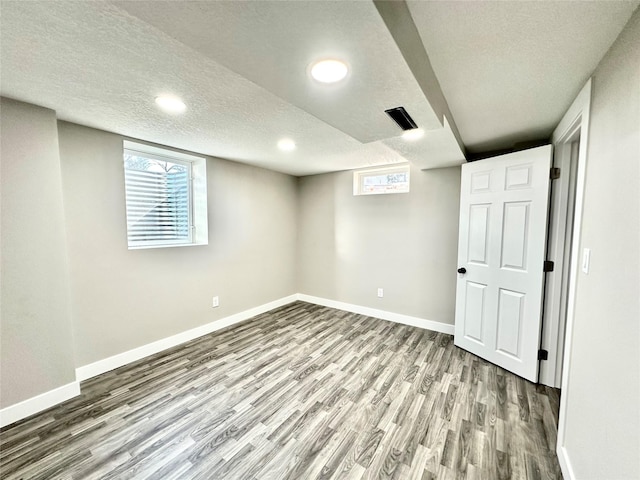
(157, 206)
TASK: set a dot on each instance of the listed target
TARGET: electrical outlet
(380, 293)
(216, 302)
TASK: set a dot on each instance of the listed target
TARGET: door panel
(502, 240)
(510, 313)
(478, 232)
(474, 312)
(515, 232)
(480, 182)
(518, 177)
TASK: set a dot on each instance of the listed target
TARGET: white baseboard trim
(382, 314)
(36, 404)
(49, 399)
(107, 364)
(565, 463)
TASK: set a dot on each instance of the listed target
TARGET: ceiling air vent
(402, 118)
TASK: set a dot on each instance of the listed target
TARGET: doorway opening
(570, 140)
(562, 207)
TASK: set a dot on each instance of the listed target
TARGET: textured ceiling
(511, 69)
(272, 44)
(508, 71)
(98, 65)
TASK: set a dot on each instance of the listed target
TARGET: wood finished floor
(301, 392)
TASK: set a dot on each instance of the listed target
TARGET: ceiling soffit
(272, 44)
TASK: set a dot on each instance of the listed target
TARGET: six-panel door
(502, 243)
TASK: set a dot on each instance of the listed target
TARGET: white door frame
(576, 119)
(560, 232)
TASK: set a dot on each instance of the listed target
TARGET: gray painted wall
(36, 350)
(123, 299)
(603, 394)
(348, 245)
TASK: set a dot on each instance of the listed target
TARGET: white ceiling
(510, 69)
(507, 69)
(271, 45)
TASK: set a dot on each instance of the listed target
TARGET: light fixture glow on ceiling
(286, 145)
(329, 71)
(170, 104)
(413, 134)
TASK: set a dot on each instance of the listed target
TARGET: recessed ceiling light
(413, 134)
(170, 104)
(329, 71)
(287, 145)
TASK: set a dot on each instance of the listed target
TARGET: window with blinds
(377, 181)
(159, 200)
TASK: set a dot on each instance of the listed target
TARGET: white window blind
(394, 179)
(158, 200)
(166, 197)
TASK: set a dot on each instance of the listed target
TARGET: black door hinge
(543, 354)
(547, 266)
(554, 173)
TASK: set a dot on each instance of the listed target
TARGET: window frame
(197, 194)
(359, 177)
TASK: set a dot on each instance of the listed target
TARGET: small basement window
(394, 179)
(166, 197)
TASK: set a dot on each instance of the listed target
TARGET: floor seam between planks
(300, 392)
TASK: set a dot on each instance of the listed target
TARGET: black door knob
(462, 270)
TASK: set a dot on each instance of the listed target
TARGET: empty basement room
(257, 240)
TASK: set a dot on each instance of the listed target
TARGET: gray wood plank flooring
(301, 392)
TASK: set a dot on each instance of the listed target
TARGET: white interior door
(501, 252)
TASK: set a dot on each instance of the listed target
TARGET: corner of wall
(37, 343)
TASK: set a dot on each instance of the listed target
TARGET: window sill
(147, 247)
